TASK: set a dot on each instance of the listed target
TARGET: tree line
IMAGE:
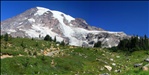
(135, 43)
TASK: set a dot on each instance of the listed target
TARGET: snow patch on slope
(85, 22)
(68, 17)
(67, 30)
(10, 31)
(20, 22)
(31, 20)
(41, 11)
(109, 32)
(81, 30)
(43, 31)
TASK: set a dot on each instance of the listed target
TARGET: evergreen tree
(124, 44)
(54, 39)
(98, 44)
(6, 37)
(39, 36)
(141, 43)
(32, 38)
(47, 38)
(22, 45)
(133, 44)
(145, 42)
(1, 36)
(36, 45)
(145, 37)
(62, 43)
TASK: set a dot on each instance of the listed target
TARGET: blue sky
(131, 17)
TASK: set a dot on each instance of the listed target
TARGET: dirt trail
(48, 54)
(6, 56)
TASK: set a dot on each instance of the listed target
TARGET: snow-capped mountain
(41, 21)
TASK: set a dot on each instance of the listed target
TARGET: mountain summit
(41, 21)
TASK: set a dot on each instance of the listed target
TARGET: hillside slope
(32, 56)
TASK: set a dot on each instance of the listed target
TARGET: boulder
(111, 59)
(117, 56)
(147, 60)
(113, 64)
(145, 68)
(57, 44)
(117, 71)
(109, 68)
(138, 65)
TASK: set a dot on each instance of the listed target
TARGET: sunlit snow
(41, 11)
(31, 20)
(72, 33)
